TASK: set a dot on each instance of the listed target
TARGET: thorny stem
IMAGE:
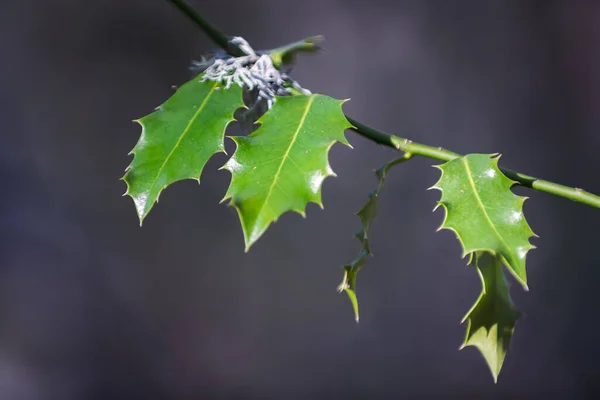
(398, 143)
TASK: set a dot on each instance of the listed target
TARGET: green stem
(285, 54)
(214, 33)
(398, 143)
(402, 144)
(404, 157)
(438, 153)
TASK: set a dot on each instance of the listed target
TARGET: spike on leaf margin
(179, 138)
(281, 166)
(366, 214)
(483, 212)
(491, 321)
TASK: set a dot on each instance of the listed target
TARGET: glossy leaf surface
(491, 321)
(178, 139)
(483, 212)
(281, 166)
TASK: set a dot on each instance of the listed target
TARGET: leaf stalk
(377, 136)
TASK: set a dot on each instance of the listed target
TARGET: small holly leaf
(483, 212)
(178, 139)
(366, 214)
(491, 320)
(281, 166)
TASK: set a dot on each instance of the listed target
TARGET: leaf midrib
(482, 206)
(286, 154)
(185, 131)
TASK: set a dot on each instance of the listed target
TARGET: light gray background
(94, 307)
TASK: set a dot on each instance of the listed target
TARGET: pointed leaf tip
(491, 320)
(366, 214)
(483, 211)
(281, 166)
(178, 139)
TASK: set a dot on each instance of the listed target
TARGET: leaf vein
(478, 198)
(286, 154)
(185, 131)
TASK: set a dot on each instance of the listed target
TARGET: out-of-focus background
(94, 307)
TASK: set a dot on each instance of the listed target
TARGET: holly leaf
(178, 139)
(491, 320)
(366, 214)
(483, 212)
(281, 166)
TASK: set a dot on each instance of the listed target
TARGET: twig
(398, 143)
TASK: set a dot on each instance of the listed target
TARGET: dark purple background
(94, 307)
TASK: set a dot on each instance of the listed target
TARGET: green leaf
(366, 214)
(483, 212)
(348, 284)
(491, 320)
(281, 165)
(178, 139)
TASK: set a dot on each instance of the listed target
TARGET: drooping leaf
(178, 139)
(483, 212)
(281, 166)
(491, 320)
(348, 284)
(366, 214)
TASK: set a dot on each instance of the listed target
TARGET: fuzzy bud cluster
(252, 71)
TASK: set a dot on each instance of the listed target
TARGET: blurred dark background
(94, 307)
